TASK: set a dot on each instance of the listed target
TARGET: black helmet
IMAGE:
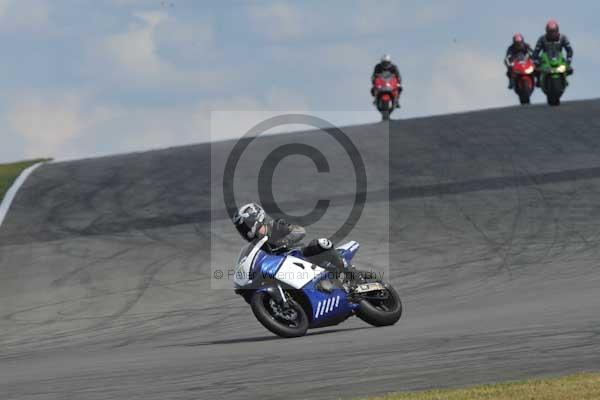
(248, 219)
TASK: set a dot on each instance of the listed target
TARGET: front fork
(276, 292)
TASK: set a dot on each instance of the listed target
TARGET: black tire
(523, 92)
(287, 329)
(381, 313)
(553, 100)
(555, 91)
(382, 106)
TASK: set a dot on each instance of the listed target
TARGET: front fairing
(555, 65)
(386, 82)
(253, 263)
(523, 66)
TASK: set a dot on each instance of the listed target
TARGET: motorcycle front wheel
(524, 99)
(381, 309)
(524, 92)
(286, 320)
(555, 91)
(385, 108)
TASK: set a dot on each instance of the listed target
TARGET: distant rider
(386, 65)
(518, 48)
(253, 223)
(553, 42)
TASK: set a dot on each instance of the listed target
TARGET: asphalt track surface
(494, 224)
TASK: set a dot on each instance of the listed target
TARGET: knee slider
(317, 246)
(325, 243)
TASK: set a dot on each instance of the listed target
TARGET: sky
(84, 78)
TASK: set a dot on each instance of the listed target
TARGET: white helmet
(386, 58)
(248, 220)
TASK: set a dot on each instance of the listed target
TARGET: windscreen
(245, 251)
(245, 261)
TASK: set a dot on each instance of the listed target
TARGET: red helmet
(518, 38)
(518, 41)
(552, 31)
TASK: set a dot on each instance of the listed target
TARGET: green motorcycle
(553, 76)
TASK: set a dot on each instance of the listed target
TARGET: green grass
(583, 386)
(10, 172)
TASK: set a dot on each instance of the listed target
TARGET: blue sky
(83, 78)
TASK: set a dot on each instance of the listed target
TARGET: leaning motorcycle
(523, 69)
(289, 295)
(386, 90)
(553, 76)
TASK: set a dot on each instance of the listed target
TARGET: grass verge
(10, 172)
(584, 386)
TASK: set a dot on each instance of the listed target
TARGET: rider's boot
(511, 83)
(397, 101)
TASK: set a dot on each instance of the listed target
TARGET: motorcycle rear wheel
(384, 312)
(266, 314)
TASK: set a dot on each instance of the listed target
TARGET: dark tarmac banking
(495, 248)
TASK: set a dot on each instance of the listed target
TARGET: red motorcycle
(523, 70)
(386, 90)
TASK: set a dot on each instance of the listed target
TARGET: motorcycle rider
(552, 42)
(252, 223)
(518, 47)
(386, 65)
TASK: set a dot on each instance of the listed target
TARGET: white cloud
(152, 127)
(134, 52)
(133, 57)
(465, 79)
(49, 122)
(4, 7)
(236, 111)
(278, 21)
(71, 124)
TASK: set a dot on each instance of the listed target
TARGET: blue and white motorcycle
(290, 295)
